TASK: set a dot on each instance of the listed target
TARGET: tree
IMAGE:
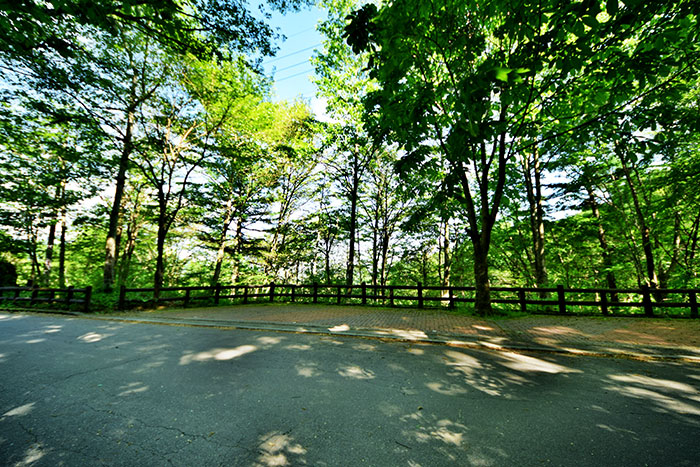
(342, 80)
(86, 52)
(480, 85)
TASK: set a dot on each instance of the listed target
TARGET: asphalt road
(84, 392)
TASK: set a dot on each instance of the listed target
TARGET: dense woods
(466, 143)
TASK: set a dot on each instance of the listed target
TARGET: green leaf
(590, 21)
(611, 7)
(502, 73)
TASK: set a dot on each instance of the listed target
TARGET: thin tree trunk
(536, 215)
(160, 248)
(643, 227)
(48, 258)
(665, 274)
(35, 271)
(111, 242)
(602, 240)
(446, 256)
(236, 266)
(131, 236)
(375, 241)
(62, 251)
(222, 243)
(353, 227)
(385, 255)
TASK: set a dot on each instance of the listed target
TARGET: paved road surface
(85, 392)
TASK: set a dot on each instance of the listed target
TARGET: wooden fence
(62, 297)
(557, 300)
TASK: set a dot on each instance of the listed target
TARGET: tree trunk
(111, 242)
(160, 249)
(385, 255)
(228, 217)
(131, 236)
(375, 242)
(327, 261)
(652, 278)
(446, 266)
(48, 258)
(236, 267)
(534, 198)
(353, 227)
(482, 303)
(62, 251)
(665, 274)
(33, 247)
(602, 240)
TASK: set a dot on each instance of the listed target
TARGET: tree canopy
(466, 142)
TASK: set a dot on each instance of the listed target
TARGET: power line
(294, 75)
(293, 53)
(292, 66)
(301, 32)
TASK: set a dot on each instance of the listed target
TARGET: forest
(471, 143)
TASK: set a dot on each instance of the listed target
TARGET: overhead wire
(294, 75)
(293, 66)
(290, 54)
(301, 32)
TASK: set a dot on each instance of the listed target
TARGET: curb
(411, 336)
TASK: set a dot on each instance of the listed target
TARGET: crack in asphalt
(107, 367)
(189, 436)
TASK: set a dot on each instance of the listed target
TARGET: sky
(291, 68)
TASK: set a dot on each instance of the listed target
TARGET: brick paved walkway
(613, 335)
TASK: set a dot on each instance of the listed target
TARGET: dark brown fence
(64, 298)
(556, 300)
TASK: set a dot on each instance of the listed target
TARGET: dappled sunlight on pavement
(279, 449)
(216, 354)
(666, 396)
(641, 337)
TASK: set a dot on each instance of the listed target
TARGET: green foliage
(419, 177)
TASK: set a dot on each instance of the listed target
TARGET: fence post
(692, 296)
(245, 294)
(391, 295)
(646, 301)
(17, 292)
(187, 297)
(121, 304)
(217, 293)
(604, 303)
(522, 300)
(293, 292)
(451, 293)
(35, 294)
(420, 294)
(364, 293)
(272, 291)
(69, 295)
(561, 299)
(88, 297)
(339, 292)
(315, 292)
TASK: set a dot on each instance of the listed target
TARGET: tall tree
(474, 81)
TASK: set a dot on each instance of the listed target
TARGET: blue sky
(291, 67)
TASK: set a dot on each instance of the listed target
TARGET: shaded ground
(84, 392)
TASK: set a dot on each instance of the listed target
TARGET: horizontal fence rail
(61, 297)
(554, 300)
